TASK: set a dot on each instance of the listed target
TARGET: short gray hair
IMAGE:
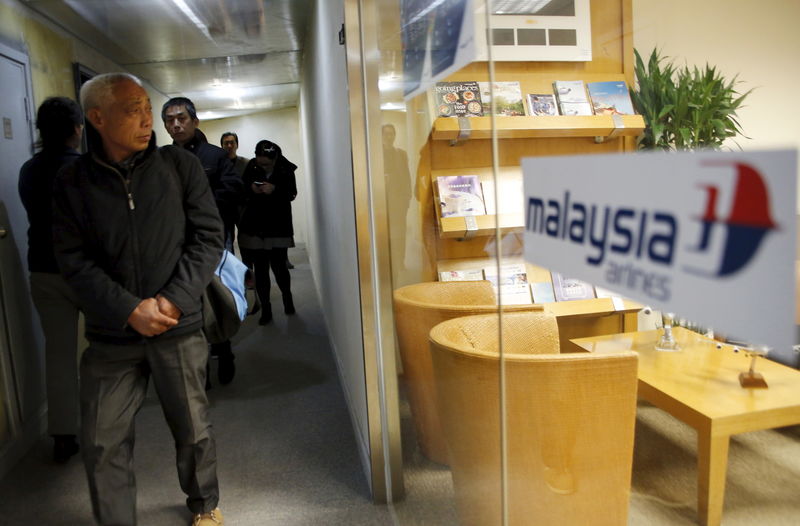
(98, 90)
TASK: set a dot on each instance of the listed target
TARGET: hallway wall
(51, 52)
(281, 127)
(332, 234)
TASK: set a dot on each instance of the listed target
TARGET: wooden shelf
(456, 227)
(511, 221)
(603, 126)
(589, 308)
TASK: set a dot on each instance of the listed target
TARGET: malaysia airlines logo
(747, 224)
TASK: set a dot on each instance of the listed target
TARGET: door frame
(23, 432)
(372, 234)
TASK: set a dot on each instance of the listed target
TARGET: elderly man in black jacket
(137, 237)
(180, 120)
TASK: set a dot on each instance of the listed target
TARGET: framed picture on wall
(80, 75)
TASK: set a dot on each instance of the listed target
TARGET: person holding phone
(265, 227)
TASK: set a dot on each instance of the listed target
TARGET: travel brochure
(460, 195)
(569, 97)
(507, 98)
(515, 289)
(568, 289)
(458, 99)
(511, 285)
(473, 274)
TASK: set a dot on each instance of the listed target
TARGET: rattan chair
(569, 423)
(417, 308)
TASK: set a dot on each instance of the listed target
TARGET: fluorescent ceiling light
(183, 6)
(393, 106)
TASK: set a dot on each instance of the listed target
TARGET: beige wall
(758, 41)
(281, 127)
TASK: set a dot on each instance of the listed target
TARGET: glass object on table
(667, 340)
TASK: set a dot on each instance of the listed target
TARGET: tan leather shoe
(212, 518)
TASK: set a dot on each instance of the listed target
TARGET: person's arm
(202, 249)
(101, 297)
(228, 194)
(285, 183)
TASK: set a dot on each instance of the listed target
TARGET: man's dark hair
(56, 120)
(179, 101)
(229, 134)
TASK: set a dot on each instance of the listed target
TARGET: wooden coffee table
(699, 384)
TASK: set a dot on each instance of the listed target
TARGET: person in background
(230, 143)
(398, 196)
(60, 124)
(265, 228)
(180, 120)
(137, 236)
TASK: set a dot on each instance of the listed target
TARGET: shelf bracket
(471, 228)
(619, 125)
(464, 131)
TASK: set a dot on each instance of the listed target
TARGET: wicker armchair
(417, 308)
(569, 423)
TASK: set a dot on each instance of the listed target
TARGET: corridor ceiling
(231, 57)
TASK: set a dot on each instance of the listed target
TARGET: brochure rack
(463, 145)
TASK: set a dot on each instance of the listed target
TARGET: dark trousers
(113, 387)
(229, 227)
(260, 260)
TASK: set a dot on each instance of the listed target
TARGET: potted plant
(686, 108)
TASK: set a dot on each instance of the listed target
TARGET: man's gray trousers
(113, 387)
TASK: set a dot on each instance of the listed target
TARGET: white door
(20, 346)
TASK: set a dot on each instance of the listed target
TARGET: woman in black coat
(265, 227)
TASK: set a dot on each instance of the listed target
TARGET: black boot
(288, 304)
(256, 306)
(266, 314)
(64, 446)
(226, 369)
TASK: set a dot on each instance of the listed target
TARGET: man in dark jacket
(137, 237)
(180, 120)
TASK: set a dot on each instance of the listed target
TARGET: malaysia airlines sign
(708, 235)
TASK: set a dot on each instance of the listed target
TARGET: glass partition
(511, 412)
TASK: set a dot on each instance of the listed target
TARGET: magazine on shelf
(510, 195)
(567, 289)
(575, 108)
(610, 98)
(507, 101)
(512, 283)
(458, 99)
(460, 195)
(542, 292)
(471, 274)
(542, 104)
(570, 91)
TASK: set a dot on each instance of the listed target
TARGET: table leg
(712, 464)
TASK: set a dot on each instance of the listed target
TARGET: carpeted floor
(763, 482)
(286, 451)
